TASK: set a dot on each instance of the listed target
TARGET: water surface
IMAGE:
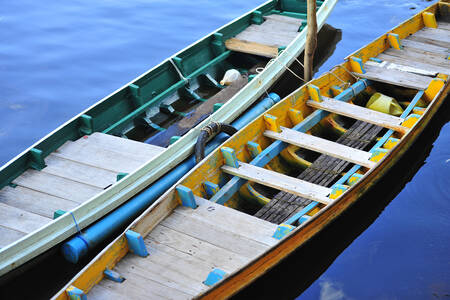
(59, 57)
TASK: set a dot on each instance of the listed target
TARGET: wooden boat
(207, 238)
(68, 180)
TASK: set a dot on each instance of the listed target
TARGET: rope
(261, 69)
(80, 235)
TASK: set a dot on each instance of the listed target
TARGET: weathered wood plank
(251, 48)
(417, 67)
(98, 157)
(443, 25)
(421, 56)
(140, 151)
(359, 113)
(79, 172)
(56, 186)
(215, 235)
(317, 144)
(139, 287)
(280, 181)
(201, 249)
(232, 220)
(424, 46)
(165, 269)
(34, 201)
(285, 19)
(20, 220)
(404, 79)
(435, 34)
(428, 40)
(9, 236)
(263, 38)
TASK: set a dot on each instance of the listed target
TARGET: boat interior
(278, 173)
(134, 124)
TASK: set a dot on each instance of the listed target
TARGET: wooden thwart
(281, 182)
(404, 79)
(321, 145)
(251, 48)
(359, 113)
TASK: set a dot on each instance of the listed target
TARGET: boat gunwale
(56, 231)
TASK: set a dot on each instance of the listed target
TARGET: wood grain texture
(20, 220)
(34, 202)
(424, 46)
(412, 67)
(8, 236)
(395, 77)
(359, 113)
(56, 186)
(321, 145)
(280, 181)
(251, 48)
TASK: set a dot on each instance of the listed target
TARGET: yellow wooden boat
(282, 178)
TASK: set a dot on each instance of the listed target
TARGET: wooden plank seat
(185, 247)
(359, 113)
(265, 39)
(395, 77)
(280, 181)
(74, 173)
(407, 65)
(321, 145)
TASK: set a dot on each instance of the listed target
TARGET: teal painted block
(214, 276)
(210, 188)
(360, 62)
(282, 231)
(354, 179)
(186, 196)
(136, 243)
(76, 294)
(86, 125)
(120, 176)
(58, 213)
(113, 276)
(254, 149)
(174, 138)
(37, 159)
(217, 106)
(375, 59)
(337, 190)
(230, 157)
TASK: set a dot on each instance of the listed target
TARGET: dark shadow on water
(297, 272)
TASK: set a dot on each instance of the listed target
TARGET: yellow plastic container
(385, 104)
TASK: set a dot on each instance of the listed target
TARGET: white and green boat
(113, 150)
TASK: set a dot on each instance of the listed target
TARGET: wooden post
(311, 39)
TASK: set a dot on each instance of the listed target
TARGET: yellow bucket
(385, 104)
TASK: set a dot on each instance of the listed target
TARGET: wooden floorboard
(321, 145)
(20, 220)
(140, 151)
(56, 186)
(79, 172)
(399, 78)
(424, 46)
(444, 25)
(359, 113)
(34, 202)
(422, 57)
(323, 171)
(415, 67)
(428, 40)
(97, 157)
(9, 236)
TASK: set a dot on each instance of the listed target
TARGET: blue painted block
(230, 157)
(375, 59)
(301, 213)
(186, 196)
(254, 149)
(337, 190)
(112, 275)
(210, 188)
(214, 276)
(282, 231)
(75, 293)
(136, 243)
(303, 219)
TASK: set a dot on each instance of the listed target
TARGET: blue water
(59, 57)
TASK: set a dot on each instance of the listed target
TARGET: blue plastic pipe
(78, 246)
